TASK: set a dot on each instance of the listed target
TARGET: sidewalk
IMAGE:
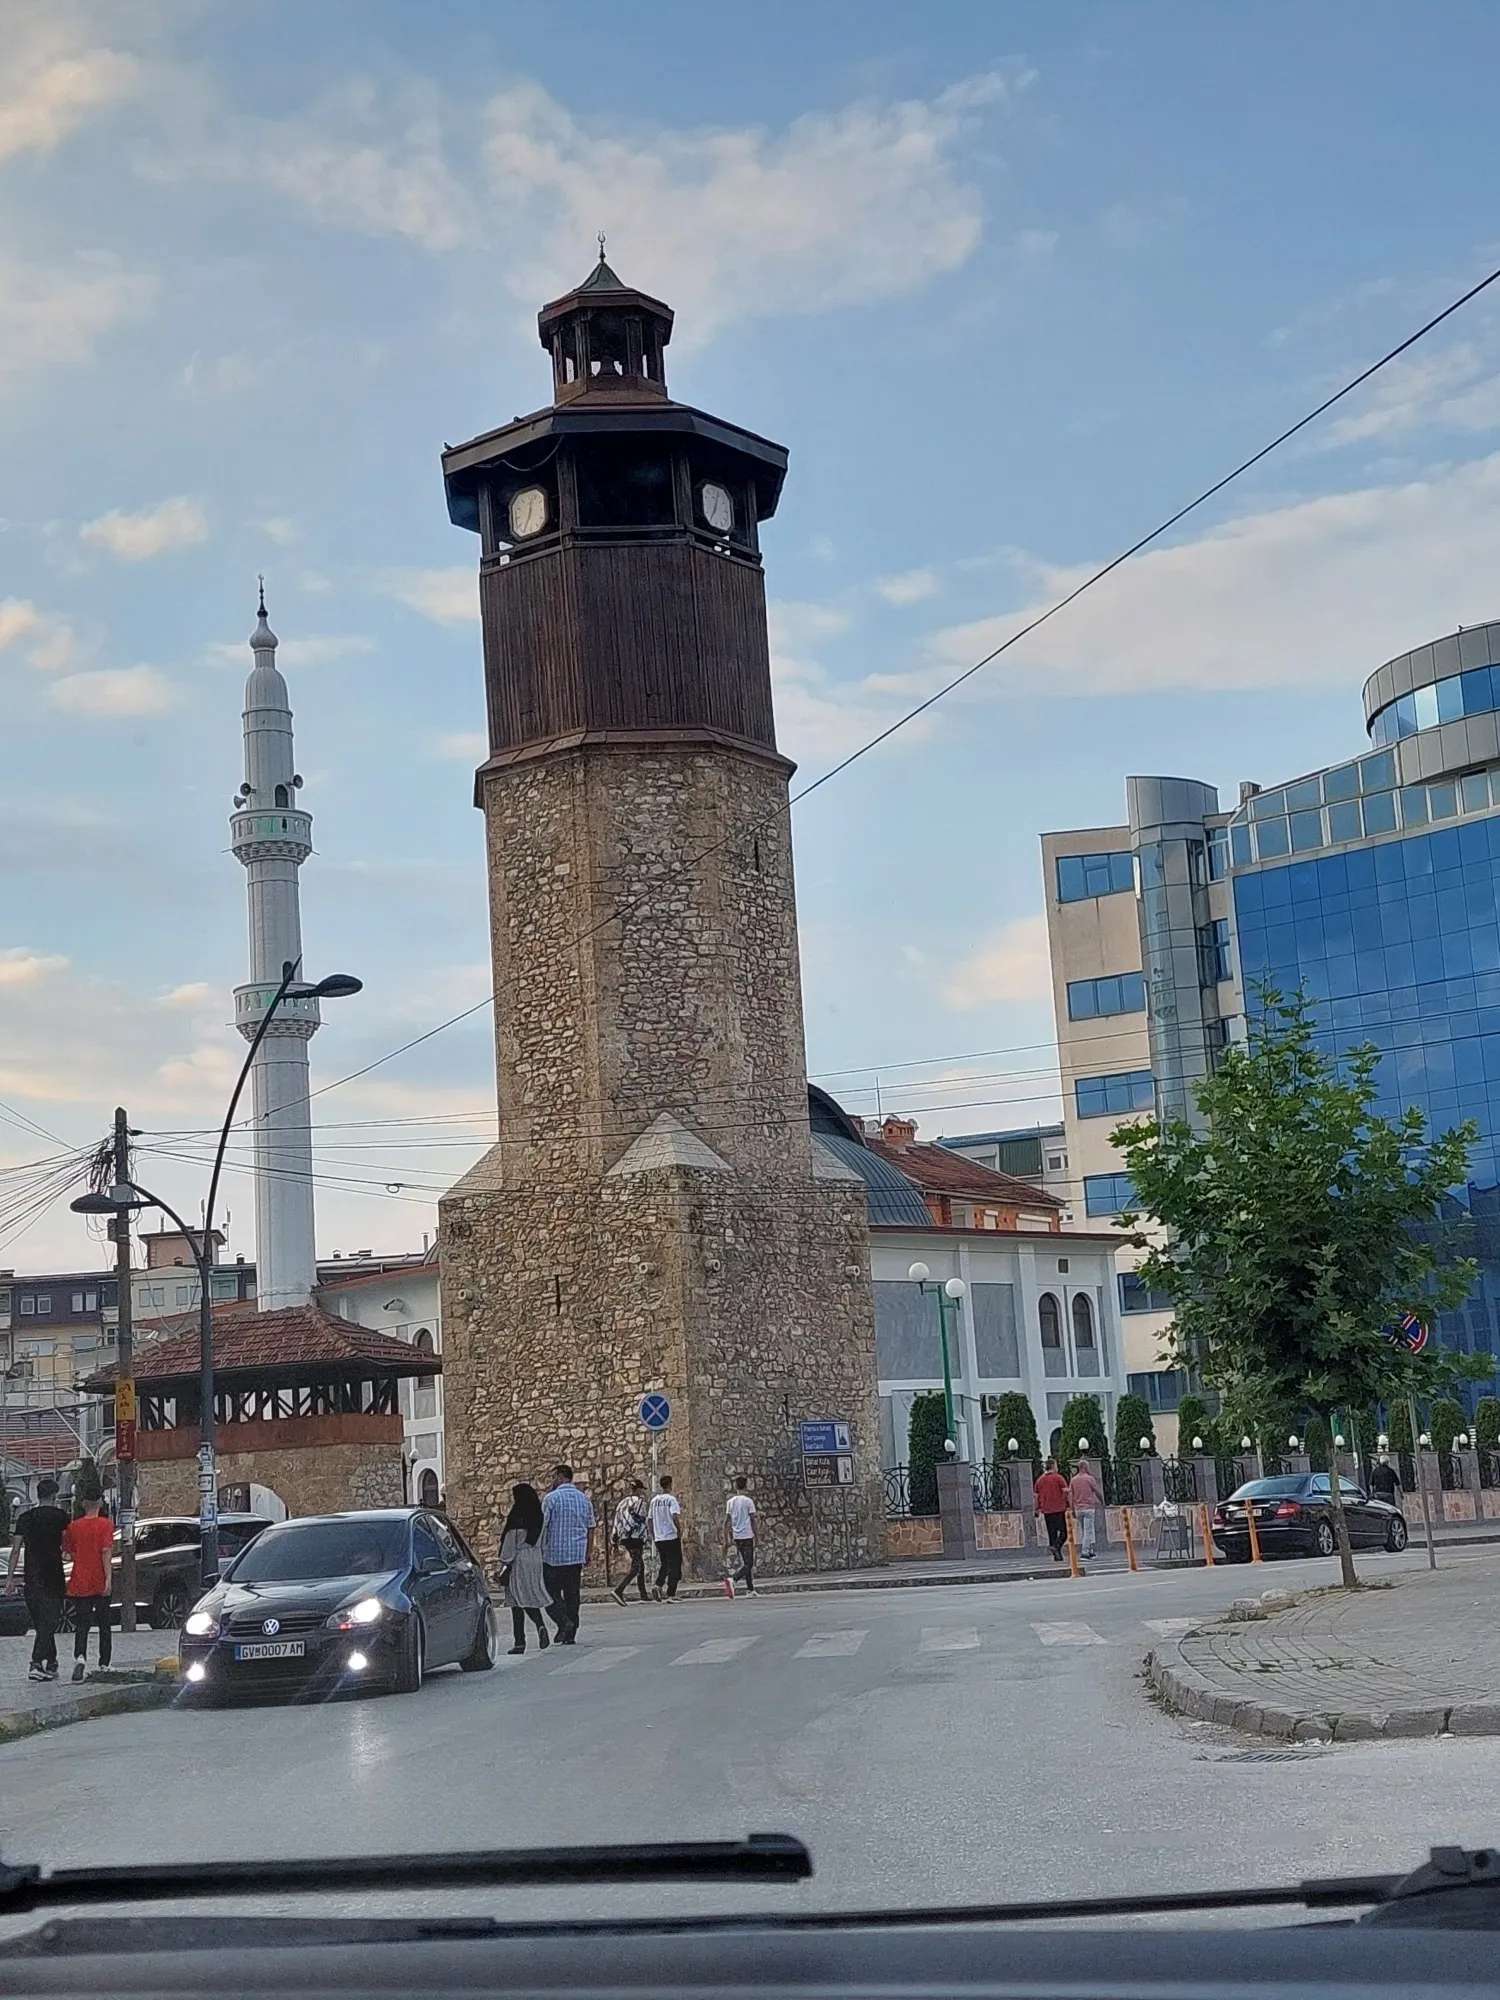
(132, 1682)
(1411, 1657)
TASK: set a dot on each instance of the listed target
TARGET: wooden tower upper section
(620, 580)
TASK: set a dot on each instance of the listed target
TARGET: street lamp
(1382, 1442)
(1245, 1444)
(128, 1196)
(953, 1292)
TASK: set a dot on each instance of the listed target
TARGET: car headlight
(201, 1625)
(365, 1612)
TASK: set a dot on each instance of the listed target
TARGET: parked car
(338, 1602)
(168, 1570)
(1294, 1517)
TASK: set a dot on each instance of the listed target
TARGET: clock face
(718, 507)
(528, 512)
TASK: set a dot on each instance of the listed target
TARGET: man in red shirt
(1052, 1505)
(88, 1540)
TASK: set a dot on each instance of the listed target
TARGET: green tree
(1014, 1418)
(926, 1436)
(1193, 1421)
(88, 1489)
(1403, 1444)
(1132, 1423)
(1083, 1417)
(1445, 1423)
(1299, 1226)
(1487, 1423)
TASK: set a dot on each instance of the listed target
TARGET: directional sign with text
(828, 1469)
(824, 1438)
(656, 1412)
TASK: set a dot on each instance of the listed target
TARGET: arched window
(1085, 1352)
(424, 1389)
(429, 1488)
(283, 795)
(1054, 1361)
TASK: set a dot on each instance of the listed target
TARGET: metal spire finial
(601, 246)
(262, 582)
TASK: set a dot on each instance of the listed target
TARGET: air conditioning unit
(990, 1405)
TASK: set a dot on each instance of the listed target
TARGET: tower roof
(263, 639)
(265, 687)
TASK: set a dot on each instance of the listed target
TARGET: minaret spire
(273, 837)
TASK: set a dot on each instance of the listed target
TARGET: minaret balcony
(294, 1016)
(274, 835)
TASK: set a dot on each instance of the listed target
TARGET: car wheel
(412, 1665)
(1395, 1535)
(481, 1655)
(1325, 1541)
(68, 1618)
(170, 1605)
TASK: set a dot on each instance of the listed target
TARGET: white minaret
(273, 838)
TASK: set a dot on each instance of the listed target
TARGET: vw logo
(271, 1627)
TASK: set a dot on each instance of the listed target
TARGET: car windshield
(302, 1552)
(789, 1286)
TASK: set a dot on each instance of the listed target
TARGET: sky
(1011, 282)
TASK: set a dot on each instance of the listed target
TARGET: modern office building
(1371, 884)
(1035, 1153)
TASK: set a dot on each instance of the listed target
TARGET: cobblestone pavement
(1414, 1657)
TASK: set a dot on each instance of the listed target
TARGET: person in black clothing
(1384, 1484)
(38, 1539)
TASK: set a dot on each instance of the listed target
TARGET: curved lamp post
(129, 1196)
(952, 1293)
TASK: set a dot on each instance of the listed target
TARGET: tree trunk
(1336, 1500)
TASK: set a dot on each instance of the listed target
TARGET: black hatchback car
(339, 1602)
(1294, 1517)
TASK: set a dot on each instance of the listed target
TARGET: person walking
(739, 1527)
(1084, 1498)
(37, 1542)
(630, 1535)
(521, 1567)
(1384, 1481)
(666, 1532)
(567, 1547)
(88, 1540)
(1052, 1506)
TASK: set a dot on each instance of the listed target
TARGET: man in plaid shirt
(567, 1545)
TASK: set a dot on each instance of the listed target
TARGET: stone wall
(645, 951)
(323, 1480)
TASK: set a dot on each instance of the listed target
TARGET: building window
(1137, 1297)
(1080, 876)
(1085, 1352)
(429, 1491)
(28, 1305)
(1117, 993)
(38, 1350)
(1056, 1162)
(424, 1389)
(1213, 952)
(1054, 1361)
(1111, 1096)
(1107, 1194)
(1218, 853)
(43, 1304)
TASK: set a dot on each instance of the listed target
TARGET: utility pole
(124, 1383)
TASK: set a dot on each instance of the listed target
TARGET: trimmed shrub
(1445, 1423)
(1083, 1417)
(1015, 1418)
(1487, 1423)
(925, 1438)
(1193, 1421)
(1132, 1423)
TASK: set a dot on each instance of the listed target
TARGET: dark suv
(168, 1569)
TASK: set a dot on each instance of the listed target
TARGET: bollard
(1129, 1539)
(1255, 1555)
(1208, 1540)
(1073, 1565)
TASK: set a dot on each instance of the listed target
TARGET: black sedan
(1294, 1517)
(339, 1602)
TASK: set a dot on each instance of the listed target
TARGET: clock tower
(655, 1215)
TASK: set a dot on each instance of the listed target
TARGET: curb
(125, 1698)
(788, 1587)
(1184, 1691)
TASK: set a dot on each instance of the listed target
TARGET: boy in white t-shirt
(739, 1528)
(666, 1532)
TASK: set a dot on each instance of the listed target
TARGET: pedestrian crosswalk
(844, 1642)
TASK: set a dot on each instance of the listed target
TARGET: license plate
(272, 1649)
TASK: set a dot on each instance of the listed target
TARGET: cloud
(113, 692)
(1315, 593)
(52, 641)
(52, 316)
(51, 84)
(20, 967)
(448, 596)
(194, 994)
(463, 746)
(174, 524)
(315, 650)
(910, 587)
(1456, 388)
(280, 531)
(731, 222)
(17, 617)
(1014, 965)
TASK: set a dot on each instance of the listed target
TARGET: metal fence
(1489, 1468)
(993, 1492)
(1450, 1471)
(900, 1505)
(1179, 1479)
(1130, 1482)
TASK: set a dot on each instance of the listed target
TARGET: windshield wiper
(759, 1857)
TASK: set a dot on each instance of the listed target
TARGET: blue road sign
(824, 1438)
(656, 1412)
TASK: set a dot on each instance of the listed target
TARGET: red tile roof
(936, 1170)
(295, 1337)
(38, 1438)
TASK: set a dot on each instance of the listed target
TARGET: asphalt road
(969, 1743)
